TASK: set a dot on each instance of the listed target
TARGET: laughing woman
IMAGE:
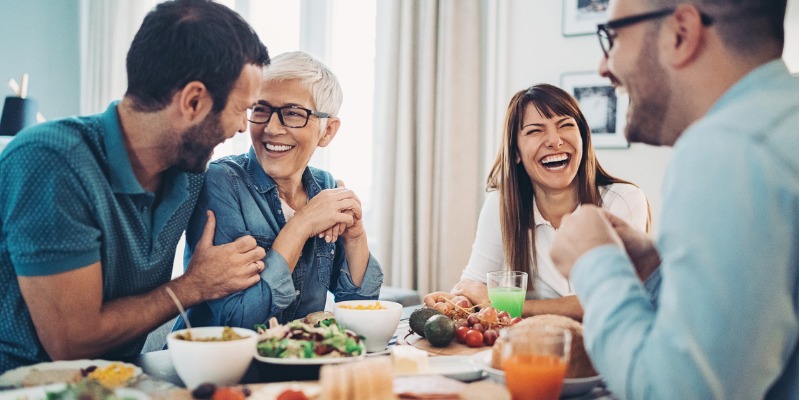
(310, 228)
(545, 169)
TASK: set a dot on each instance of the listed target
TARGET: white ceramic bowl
(377, 326)
(220, 363)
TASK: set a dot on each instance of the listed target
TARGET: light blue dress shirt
(726, 323)
(245, 201)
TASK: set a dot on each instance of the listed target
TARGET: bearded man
(92, 207)
(706, 77)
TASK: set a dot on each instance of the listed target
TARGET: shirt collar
(121, 175)
(538, 219)
(754, 78)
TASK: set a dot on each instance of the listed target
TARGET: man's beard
(198, 143)
(650, 97)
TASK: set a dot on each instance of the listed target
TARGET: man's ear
(194, 101)
(330, 131)
(684, 36)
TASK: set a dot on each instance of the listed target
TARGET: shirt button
(297, 293)
(332, 252)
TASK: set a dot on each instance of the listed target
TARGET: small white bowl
(220, 363)
(377, 326)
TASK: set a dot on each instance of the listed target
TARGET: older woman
(545, 169)
(311, 228)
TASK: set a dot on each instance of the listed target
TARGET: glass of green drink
(507, 290)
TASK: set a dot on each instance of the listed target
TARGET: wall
(41, 38)
(539, 53)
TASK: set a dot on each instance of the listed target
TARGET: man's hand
(638, 245)
(580, 232)
(217, 271)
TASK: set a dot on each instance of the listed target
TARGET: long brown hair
(514, 184)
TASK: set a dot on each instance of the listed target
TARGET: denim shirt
(245, 201)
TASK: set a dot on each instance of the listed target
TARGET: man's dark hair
(745, 26)
(182, 41)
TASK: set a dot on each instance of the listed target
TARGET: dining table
(158, 367)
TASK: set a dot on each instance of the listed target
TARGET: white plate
(456, 367)
(40, 393)
(307, 361)
(572, 386)
(15, 377)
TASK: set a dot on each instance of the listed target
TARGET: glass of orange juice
(535, 361)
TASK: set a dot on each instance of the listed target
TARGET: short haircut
(182, 41)
(312, 74)
(745, 26)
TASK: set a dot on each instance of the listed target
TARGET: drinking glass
(535, 360)
(507, 290)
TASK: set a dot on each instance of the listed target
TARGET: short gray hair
(312, 74)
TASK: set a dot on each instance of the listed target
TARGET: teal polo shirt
(68, 199)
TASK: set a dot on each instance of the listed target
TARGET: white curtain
(432, 107)
(107, 30)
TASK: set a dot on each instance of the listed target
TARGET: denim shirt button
(297, 293)
(332, 252)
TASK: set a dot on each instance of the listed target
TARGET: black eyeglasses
(606, 33)
(290, 116)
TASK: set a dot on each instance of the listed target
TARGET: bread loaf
(370, 379)
(580, 366)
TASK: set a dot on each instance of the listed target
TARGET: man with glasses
(706, 77)
(311, 229)
(92, 208)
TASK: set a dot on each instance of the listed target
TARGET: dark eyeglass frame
(279, 111)
(606, 33)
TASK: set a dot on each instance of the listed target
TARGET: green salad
(298, 339)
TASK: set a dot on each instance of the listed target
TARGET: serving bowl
(222, 363)
(376, 325)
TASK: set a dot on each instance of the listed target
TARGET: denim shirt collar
(264, 183)
(121, 175)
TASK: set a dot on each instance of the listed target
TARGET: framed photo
(604, 111)
(582, 16)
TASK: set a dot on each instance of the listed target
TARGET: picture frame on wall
(582, 16)
(604, 110)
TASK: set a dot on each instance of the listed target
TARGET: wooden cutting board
(454, 349)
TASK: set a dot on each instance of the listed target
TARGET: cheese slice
(409, 360)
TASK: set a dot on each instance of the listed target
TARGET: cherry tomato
(474, 338)
(227, 393)
(291, 394)
(461, 333)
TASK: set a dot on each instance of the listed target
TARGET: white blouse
(623, 200)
